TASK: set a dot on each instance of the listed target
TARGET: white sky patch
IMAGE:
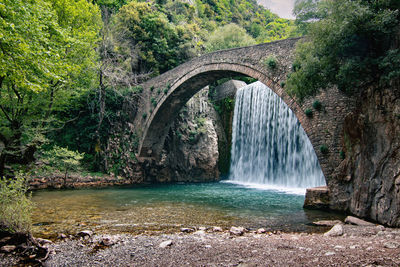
(283, 8)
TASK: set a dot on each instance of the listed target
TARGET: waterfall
(269, 146)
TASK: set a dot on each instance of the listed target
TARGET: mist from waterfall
(269, 147)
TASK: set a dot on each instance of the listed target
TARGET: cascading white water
(269, 146)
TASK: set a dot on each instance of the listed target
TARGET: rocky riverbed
(351, 246)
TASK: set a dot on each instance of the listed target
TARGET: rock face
(367, 182)
(317, 198)
(191, 148)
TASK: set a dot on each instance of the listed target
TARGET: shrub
(144, 115)
(138, 89)
(324, 149)
(317, 105)
(153, 101)
(15, 205)
(271, 62)
(152, 88)
(308, 113)
(158, 91)
(283, 84)
(64, 160)
(165, 91)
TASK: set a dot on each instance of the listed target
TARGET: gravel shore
(357, 246)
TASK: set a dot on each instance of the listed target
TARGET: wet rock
(8, 248)
(85, 233)
(327, 223)
(166, 244)
(187, 230)
(317, 198)
(236, 230)
(336, 230)
(391, 244)
(357, 221)
(261, 231)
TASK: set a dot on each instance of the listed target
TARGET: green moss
(342, 154)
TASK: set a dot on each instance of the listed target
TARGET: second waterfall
(269, 146)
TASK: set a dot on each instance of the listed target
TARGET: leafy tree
(47, 58)
(64, 160)
(147, 34)
(352, 47)
(228, 36)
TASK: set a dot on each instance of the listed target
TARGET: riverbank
(57, 181)
(357, 246)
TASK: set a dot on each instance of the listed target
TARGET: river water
(272, 164)
(166, 208)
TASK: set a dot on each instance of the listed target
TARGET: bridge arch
(187, 79)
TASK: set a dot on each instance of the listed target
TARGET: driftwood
(27, 248)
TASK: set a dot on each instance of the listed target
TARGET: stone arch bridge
(165, 95)
(360, 177)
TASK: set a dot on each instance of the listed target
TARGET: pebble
(200, 232)
(217, 229)
(353, 247)
(165, 244)
(261, 231)
(8, 248)
(109, 240)
(43, 241)
(357, 221)
(336, 230)
(338, 247)
(187, 230)
(236, 230)
(85, 233)
(391, 244)
(330, 253)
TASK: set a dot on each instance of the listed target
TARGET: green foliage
(351, 47)
(309, 113)
(147, 32)
(317, 105)
(47, 59)
(165, 91)
(15, 205)
(271, 62)
(324, 149)
(342, 154)
(63, 159)
(228, 36)
(144, 115)
(282, 84)
(152, 88)
(153, 102)
(138, 89)
(158, 91)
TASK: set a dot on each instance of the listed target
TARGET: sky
(283, 8)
